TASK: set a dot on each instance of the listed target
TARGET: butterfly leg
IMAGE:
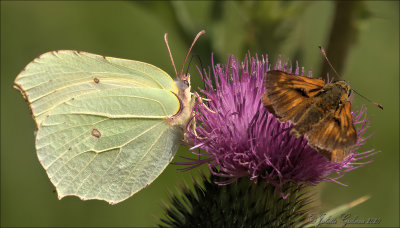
(193, 121)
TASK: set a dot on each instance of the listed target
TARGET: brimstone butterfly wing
(106, 127)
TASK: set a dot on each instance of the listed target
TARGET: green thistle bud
(244, 203)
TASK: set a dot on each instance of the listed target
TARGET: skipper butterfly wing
(334, 133)
(288, 96)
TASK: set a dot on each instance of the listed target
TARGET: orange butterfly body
(321, 112)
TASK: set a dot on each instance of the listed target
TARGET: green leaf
(103, 123)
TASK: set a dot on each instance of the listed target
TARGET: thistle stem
(343, 35)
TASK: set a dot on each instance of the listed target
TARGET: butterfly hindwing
(335, 132)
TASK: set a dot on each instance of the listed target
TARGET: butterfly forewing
(287, 95)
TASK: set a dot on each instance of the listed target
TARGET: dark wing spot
(96, 80)
(314, 90)
(301, 92)
(337, 121)
(96, 133)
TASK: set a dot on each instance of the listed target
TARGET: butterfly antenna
(374, 103)
(190, 61)
(194, 41)
(201, 66)
(170, 54)
(327, 60)
(324, 54)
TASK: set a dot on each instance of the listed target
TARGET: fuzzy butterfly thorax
(329, 99)
(334, 94)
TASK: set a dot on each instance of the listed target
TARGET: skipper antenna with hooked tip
(374, 103)
(170, 54)
(329, 63)
(327, 60)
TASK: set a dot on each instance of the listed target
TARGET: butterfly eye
(186, 82)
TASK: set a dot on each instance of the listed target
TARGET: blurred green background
(368, 46)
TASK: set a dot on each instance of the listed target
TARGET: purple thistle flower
(241, 138)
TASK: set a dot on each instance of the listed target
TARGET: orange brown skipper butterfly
(321, 112)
